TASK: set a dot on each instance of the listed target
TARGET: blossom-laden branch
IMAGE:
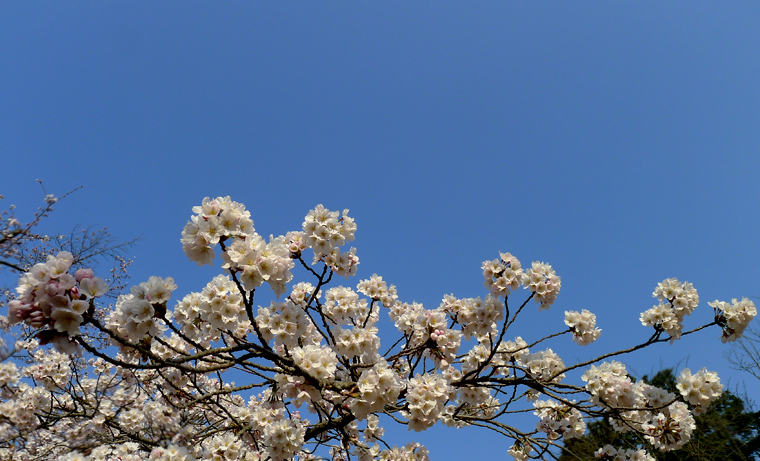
(164, 388)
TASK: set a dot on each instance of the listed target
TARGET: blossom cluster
(50, 297)
(51, 369)
(559, 420)
(583, 326)
(409, 452)
(223, 221)
(734, 317)
(9, 375)
(204, 316)
(358, 342)
(318, 361)
(670, 428)
(544, 282)
(343, 305)
(677, 300)
(503, 275)
(666, 422)
(520, 451)
(699, 389)
(610, 453)
(325, 232)
(324, 229)
(214, 220)
(377, 289)
(471, 401)
(223, 446)
(376, 387)
(545, 366)
(609, 385)
(508, 352)
(426, 395)
(284, 439)
(427, 329)
(286, 323)
(137, 314)
(345, 263)
(477, 317)
(258, 261)
(21, 411)
(281, 435)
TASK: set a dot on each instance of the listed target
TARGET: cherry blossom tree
(217, 376)
(23, 245)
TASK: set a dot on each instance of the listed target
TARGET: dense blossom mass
(308, 375)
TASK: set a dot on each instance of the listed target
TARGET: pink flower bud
(36, 319)
(17, 311)
(53, 289)
(83, 274)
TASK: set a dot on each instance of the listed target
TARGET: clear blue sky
(617, 141)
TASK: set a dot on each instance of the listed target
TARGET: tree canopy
(142, 380)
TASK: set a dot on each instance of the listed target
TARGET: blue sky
(617, 141)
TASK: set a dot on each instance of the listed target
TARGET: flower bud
(84, 274)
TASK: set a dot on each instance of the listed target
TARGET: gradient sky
(618, 142)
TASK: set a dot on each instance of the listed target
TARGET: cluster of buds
(51, 298)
